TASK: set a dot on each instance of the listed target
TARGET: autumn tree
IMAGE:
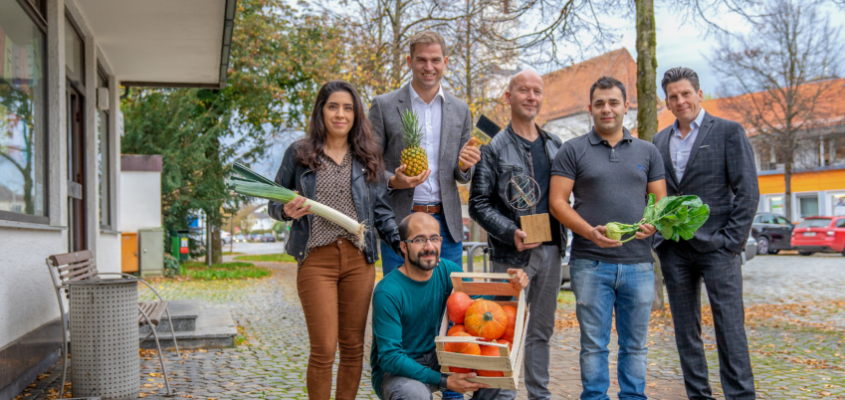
(779, 73)
(280, 58)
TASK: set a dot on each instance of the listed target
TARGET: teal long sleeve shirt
(406, 317)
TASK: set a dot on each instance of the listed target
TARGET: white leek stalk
(284, 195)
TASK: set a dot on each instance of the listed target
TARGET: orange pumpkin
(509, 343)
(455, 329)
(457, 305)
(491, 351)
(486, 319)
(463, 348)
(458, 370)
(510, 311)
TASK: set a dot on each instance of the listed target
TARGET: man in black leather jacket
(522, 149)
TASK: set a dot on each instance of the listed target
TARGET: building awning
(164, 43)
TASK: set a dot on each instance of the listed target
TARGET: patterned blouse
(334, 189)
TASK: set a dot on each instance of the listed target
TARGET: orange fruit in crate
(457, 305)
(492, 351)
(455, 329)
(486, 319)
(463, 348)
(509, 343)
(510, 311)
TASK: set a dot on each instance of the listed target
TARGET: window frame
(37, 18)
(107, 168)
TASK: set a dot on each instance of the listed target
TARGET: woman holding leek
(339, 165)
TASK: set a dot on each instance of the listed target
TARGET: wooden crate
(509, 362)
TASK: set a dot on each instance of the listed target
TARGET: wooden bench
(65, 269)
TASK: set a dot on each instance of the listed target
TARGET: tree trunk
(647, 102)
(396, 74)
(216, 246)
(787, 192)
(646, 71)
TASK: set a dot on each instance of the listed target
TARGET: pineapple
(413, 156)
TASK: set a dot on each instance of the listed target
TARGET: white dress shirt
(430, 115)
(680, 147)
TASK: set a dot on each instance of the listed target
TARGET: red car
(819, 234)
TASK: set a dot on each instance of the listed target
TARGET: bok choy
(675, 217)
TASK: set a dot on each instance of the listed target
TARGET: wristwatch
(443, 382)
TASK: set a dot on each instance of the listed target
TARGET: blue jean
(449, 250)
(600, 289)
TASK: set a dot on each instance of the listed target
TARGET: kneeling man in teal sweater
(407, 310)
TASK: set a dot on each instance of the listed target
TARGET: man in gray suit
(446, 124)
(711, 158)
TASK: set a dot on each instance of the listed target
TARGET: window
(782, 221)
(841, 223)
(23, 147)
(776, 204)
(74, 51)
(104, 158)
(815, 223)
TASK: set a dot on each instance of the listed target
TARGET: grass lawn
(231, 253)
(229, 270)
(280, 257)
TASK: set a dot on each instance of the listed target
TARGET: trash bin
(104, 335)
(179, 245)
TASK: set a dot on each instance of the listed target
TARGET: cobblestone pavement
(795, 308)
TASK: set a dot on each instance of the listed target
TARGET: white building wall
(27, 299)
(140, 200)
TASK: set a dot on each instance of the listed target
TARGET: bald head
(414, 223)
(525, 95)
(525, 75)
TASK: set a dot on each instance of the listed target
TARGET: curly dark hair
(362, 143)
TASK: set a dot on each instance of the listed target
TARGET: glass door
(76, 172)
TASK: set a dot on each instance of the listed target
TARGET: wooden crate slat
(489, 288)
(499, 382)
(476, 362)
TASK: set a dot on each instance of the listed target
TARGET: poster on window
(838, 205)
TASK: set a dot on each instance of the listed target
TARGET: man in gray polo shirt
(610, 174)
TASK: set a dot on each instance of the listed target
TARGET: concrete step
(183, 313)
(215, 328)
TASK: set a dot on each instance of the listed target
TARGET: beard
(427, 265)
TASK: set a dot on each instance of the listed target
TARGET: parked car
(225, 237)
(466, 233)
(268, 238)
(820, 234)
(772, 232)
(240, 239)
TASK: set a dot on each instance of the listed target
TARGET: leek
(255, 185)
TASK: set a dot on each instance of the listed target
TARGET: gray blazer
(456, 122)
(721, 172)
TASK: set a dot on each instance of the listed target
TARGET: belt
(426, 209)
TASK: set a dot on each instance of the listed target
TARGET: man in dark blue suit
(711, 158)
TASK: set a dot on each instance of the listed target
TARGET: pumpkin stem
(488, 316)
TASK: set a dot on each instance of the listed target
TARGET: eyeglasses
(420, 241)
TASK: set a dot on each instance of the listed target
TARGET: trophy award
(525, 193)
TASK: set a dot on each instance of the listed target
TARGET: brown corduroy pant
(335, 285)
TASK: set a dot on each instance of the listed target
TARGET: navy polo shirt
(610, 186)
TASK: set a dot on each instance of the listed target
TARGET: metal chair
(79, 266)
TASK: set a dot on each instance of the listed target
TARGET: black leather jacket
(370, 200)
(504, 158)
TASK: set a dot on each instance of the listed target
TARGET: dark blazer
(370, 199)
(455, 124)
(722, 173)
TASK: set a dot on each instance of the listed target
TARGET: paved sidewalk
(790, 361)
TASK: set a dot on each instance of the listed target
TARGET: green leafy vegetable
(676, 217)
(255, 185)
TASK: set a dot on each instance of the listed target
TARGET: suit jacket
(456, 122)
(721, 172)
